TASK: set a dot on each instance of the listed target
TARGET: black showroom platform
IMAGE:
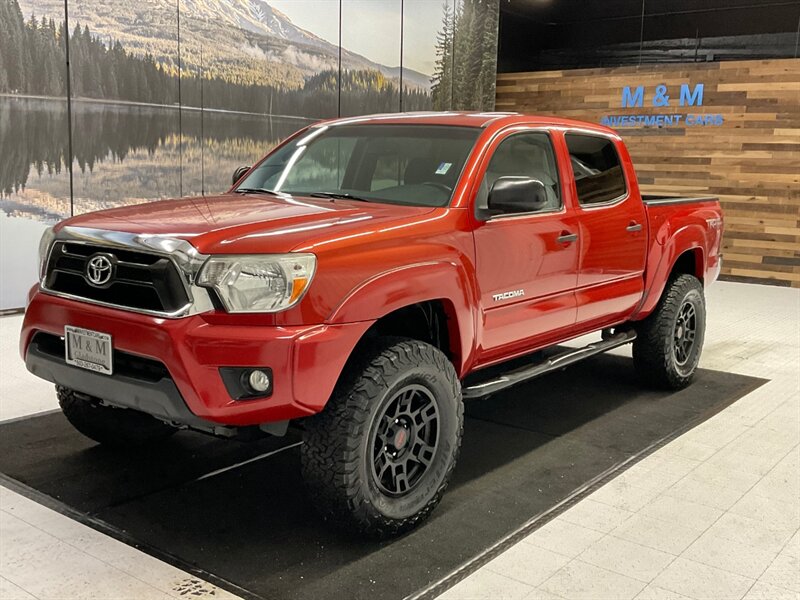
(249, 527)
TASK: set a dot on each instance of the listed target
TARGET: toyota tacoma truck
(357, 283)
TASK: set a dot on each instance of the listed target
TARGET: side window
(523, 155)
(596, 167)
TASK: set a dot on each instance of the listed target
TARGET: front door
(527, 263)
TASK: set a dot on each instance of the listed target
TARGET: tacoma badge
(508, 295)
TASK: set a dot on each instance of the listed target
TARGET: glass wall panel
(34, 178)
(370, 79)
(125, 113)
(427, 27)
(474, 57)
(250, 77)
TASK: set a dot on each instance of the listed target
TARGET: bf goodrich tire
(669, 342)
(378, 458)
(115, 427)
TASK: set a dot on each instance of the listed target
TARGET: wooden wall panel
(751, 161)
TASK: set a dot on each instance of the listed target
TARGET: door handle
(566, 237)
(633, 227)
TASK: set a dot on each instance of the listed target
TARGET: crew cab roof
(466, 119)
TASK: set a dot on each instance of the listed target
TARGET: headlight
(44, 249)
(258, 283)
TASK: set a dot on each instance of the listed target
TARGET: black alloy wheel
(685, 333)
(404, 440)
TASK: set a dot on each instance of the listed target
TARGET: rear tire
(378, 458)
(115, 427)
(669, 342)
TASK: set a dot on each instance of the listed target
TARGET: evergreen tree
(442, 80)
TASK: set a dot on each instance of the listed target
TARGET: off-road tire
(655, 356)
(115, 427)
(340, 448)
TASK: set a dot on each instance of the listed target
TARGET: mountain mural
(246, 41)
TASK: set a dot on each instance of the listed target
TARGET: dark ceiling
(575, 33)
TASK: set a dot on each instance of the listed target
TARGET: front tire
(115, 427)
(669, 342)
(379, 457)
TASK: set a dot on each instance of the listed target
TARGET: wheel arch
(682, 254)
(428, 301)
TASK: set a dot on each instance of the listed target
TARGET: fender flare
(688, 238)
(388, 291)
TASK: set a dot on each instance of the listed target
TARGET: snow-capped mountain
(235, 37)
(260, 18)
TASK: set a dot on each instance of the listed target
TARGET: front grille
(129, 365)
(140, 281)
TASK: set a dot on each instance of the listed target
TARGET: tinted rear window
(597, 168)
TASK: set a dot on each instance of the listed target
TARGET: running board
(559, 361)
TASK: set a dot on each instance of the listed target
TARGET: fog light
(247, 383)
(258, 381)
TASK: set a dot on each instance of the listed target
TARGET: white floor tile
(792, 547)
(9, 591)
(767, 591)
(488, 585)
(624, 495)
(751, 532)
(697, 580)
(563, 538)
(596, 515)
(690, 515)
(626, 558)
(528, 563)
(70, 573)
(656, 533)
(784, 572)
(25, 525)
(652, 592)
(581, 581)
(715, 551)
(696, 489)
(774, 514)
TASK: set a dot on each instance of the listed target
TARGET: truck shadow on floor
(230, 511)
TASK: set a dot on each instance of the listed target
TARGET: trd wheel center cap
(680, 332)
(400, 438)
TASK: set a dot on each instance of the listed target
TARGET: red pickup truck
(357, 282)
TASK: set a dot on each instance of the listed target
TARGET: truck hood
(236, 223)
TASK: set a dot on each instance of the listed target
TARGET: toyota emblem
(99, 269)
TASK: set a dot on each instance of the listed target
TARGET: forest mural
(167, 97)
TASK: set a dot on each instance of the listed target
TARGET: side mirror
(517, 195)
(239, 173)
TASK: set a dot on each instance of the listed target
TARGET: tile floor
(714, 514)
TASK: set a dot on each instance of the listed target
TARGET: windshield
(417, 165)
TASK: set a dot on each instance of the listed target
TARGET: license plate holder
(88, 349)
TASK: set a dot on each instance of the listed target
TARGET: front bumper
(306, 361)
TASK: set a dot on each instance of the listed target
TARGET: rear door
(612, 231)
(527, 264)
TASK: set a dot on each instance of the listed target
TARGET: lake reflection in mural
(123, 154)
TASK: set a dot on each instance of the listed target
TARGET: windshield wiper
(334, 195)
(255, 191)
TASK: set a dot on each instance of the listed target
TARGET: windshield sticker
(444, 168)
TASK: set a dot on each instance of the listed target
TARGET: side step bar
(558, 361)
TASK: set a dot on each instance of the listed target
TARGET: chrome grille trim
(181, 253)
